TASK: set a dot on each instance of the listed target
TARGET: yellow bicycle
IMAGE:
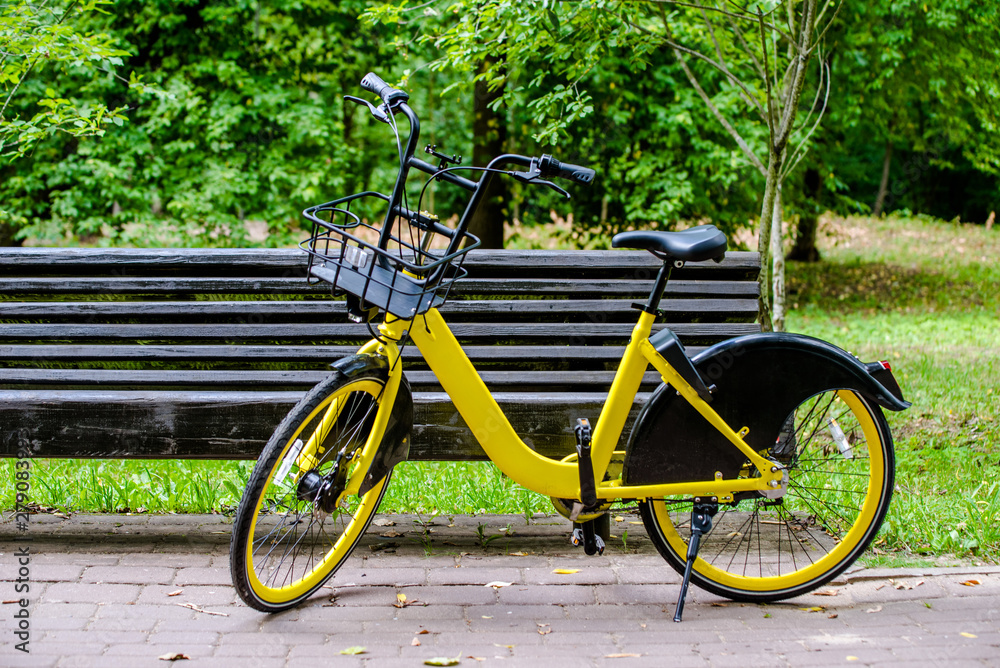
(762, 468)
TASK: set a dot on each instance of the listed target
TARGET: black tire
(839, 455)
(304, 546)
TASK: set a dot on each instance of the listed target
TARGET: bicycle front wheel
(284, 544)
(838, 452)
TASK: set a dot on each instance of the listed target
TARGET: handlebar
(537, 169)
(373, 83)
(552, 167)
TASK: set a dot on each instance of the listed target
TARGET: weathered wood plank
(327, 308)
(232, 379)
(227, 425)
(203, 261)
(295, 286)
(568, 332)
(44, 353)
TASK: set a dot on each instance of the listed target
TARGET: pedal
(585, 534)
(701, 523)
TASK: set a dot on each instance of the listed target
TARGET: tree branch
(800, 151)
(679, 47)
(725, 68)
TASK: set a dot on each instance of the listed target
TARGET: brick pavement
(100, 590)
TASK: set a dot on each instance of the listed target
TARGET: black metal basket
(405, 274)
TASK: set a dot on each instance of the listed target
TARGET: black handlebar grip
(552, 167)
(374, 84)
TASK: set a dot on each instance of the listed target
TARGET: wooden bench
(192, 353)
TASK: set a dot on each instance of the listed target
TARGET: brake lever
(377, 112)
(553, 186)
(531, 177)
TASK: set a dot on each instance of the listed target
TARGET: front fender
(395, 444)
(759, 380)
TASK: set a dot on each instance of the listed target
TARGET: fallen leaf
(401, 598)
(192, 606)
(719, 604)
(968, 635)
(971, 583)
(852, 658)
(496, 584)
(476, 658)
(422, 632)
(391, 534)
(415, 642)
(827, 592)
(623, 655)
(544, 629)
(833, 616)
(815, 608)
(504, 646)
(353, 650)
(901, 584)
(879, 587)
(566, 571)
(487, 616)
(631, 522)
(382, 522)
(877, 608)
(517, 554)
(173, 656)
(619, 519)
(443, 661)
(176, 593)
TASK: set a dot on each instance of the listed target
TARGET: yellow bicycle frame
(504, 447)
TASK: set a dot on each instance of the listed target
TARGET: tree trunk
(7, 233)
(805, 249)
(883, 187)
(490, 134)
(778, 264)
(764, 241)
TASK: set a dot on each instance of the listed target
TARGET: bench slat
(332, 331)
(338, 309)
(124, 378)
(236, 425)
(232, 261)
(297, 286)
(199, 353)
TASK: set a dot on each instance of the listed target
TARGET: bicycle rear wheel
(838, 452)
(284, 545)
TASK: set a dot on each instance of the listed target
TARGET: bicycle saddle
(704, 242)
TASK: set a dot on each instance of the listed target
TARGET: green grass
(922, 294)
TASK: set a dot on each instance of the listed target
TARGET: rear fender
(759, 380)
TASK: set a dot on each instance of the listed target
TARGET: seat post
(653, 305)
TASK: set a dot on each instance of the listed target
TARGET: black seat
(704, 242)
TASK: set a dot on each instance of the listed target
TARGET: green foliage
(41, 41)
(253, 128)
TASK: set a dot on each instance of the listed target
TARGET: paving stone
(542, 594)
(473, 576)
(595, 575)
(128, 575)
(73, 592)
(257, 650)
(203, 576)
(170, 560)
(200, 595)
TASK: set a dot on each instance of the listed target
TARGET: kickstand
(701, 523)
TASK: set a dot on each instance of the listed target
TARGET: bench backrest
(199, 352)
